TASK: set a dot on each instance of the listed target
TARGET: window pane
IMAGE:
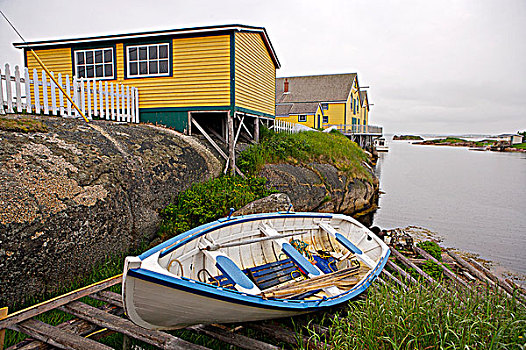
(163, 51)
(133, 53)
(152, 52)
(90, 72)
(133, 68)
(80, 57)
(107, 56)
(81, 72)
(163, 66)
(98, 56)
(89, 57)
(99, 70)
(142, 53)
(108, 70)
(153, 67)
(143, 68)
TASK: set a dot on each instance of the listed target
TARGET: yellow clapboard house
(319, 101)
(207, 72)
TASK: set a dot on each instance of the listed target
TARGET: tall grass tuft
(332, 148)
(391, 318)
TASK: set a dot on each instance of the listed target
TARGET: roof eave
(175, 32)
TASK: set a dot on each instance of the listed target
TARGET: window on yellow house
(94, 63)
(325, 106)
(148, 60)
(325, 119)
(302, 118)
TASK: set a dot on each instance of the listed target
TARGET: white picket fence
(288, 127)
(95, 98)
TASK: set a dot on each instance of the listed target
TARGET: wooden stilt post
(231, 150)
(256, 129)
(189, 123)
(3, 314)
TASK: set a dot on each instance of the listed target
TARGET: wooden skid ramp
(94, 323)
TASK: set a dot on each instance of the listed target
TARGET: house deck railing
(354, 129)
(20, 92)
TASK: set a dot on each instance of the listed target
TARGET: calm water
(475, 201)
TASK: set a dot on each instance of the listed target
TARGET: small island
(454, 141)
(407, 137)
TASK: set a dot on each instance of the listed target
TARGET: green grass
(448, 140)
(520, 146)
(305, 147)
(22, 125)
(391, 318)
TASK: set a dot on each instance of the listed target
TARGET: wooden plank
(112, 96)
(136, 105)
(88, 92)
(82, 97)
(128, 110)
(107, 96)
(36, 92)
(256, 129)
(285, 335)
(27, 91)
(117, 103)
(232, 338)
(68, 90)
(3, 314)
(418, 270)
(18, 90)
(95, 104)
(123, 105)
(212, 142)
(75, 97)
(394, 279)
(231, 144)
(8, 91)
(53, 97)
(1, 94)
(450, 274)
(470, 268)
(76, 326)
(126, 327)
(398, 269)
(45, 100)
(47, 305)
(57, 337)
(108, 297)
(101, 100)
(60, 96)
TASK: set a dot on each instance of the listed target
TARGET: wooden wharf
(94, 323)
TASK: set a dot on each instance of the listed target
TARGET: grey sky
(432, 66)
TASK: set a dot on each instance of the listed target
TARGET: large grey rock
(322, 188)
(272, 203)
(80, 192)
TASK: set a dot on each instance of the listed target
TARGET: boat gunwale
(185, 237)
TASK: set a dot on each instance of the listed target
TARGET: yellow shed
(206, 72)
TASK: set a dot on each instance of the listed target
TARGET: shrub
(432, 248)
(208, 201)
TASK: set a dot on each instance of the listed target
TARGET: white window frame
(302, 118)
(104, 77)
(139, 75)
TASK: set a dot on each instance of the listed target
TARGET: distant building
(319, 101)
(511, 139)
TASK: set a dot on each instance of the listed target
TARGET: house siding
(201, 72)
(255, 74)
(293, 118)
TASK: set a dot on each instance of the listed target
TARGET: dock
(90, 324)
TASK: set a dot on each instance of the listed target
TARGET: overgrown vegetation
(208, 201)
(332, 148)
(394, 318)
(22, 124)
(520, 146)
(431, 267)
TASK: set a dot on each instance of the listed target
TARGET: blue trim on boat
(230, 269)
(236, 297)
(347, 244)
(199, 231)
(299, 259)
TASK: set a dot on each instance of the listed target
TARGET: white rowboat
(252, 267)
